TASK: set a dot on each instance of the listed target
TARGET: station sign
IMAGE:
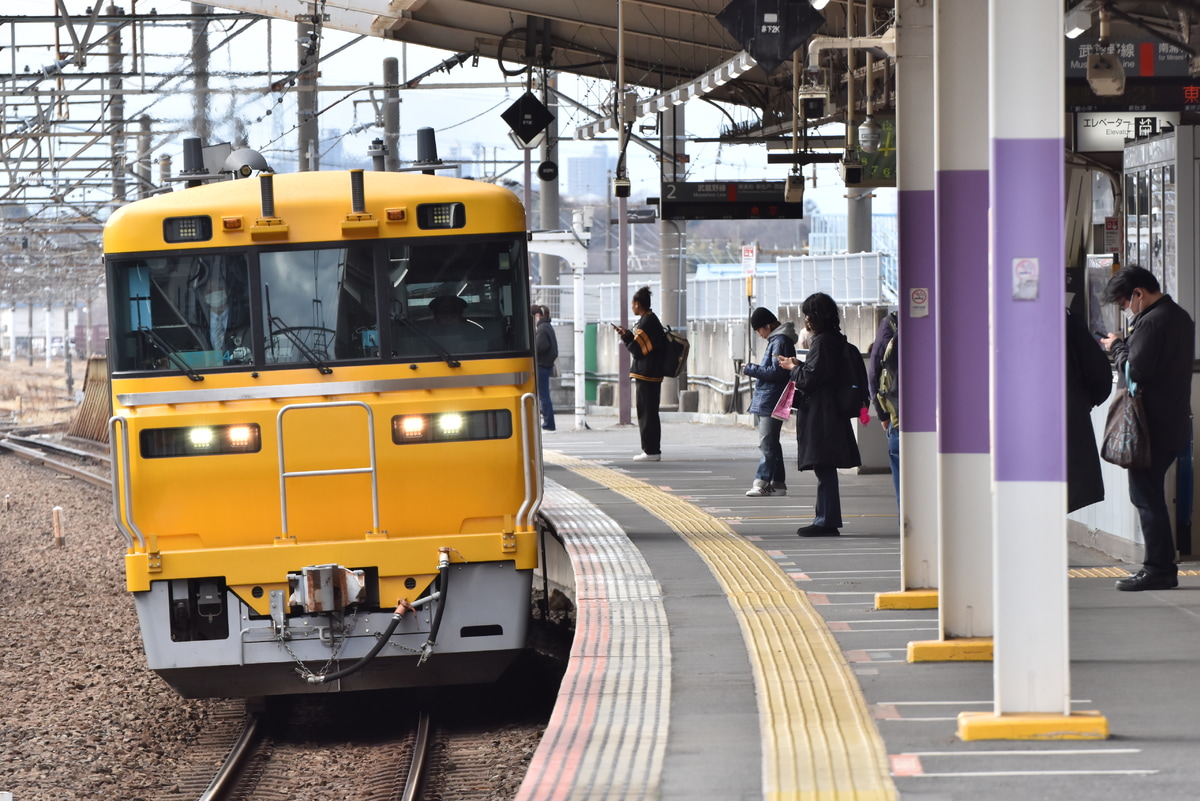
(727, 200)
(1106, 131)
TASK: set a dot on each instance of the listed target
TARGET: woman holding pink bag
(771, 380)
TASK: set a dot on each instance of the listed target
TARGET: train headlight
(452, 426)
(159, 443)
(441, 215)
(201, 438)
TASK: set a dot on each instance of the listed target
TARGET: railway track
(279, 754)
(79, 458)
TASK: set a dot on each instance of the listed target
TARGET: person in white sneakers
(771, 380)
(647, 342)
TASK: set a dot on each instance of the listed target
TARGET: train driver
(225, 319)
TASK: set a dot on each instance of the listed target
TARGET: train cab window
(181, 312)
(456, 298)
(319, 305)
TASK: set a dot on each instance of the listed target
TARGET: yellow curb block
(907, 599)
(962, 649)
(1084, 725)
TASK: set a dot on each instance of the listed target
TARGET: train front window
(182, 312)
(318, 305)
(455, 296)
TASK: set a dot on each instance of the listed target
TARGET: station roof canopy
(676, 48)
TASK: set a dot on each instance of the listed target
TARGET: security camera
(621, 187)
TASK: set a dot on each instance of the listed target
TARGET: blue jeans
(543, 384)
(770, 466)
(828, 508)
(893, 438)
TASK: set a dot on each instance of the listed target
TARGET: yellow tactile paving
(1114, 572)
(819, 742)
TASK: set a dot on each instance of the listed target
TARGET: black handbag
(1126, 435)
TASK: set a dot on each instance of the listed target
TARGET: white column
(961, 161)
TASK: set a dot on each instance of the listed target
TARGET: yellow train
(326, 446)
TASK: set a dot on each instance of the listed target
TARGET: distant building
(587, 176)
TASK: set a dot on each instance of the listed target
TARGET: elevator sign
(1099, 131)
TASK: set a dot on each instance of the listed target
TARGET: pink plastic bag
(783, 409)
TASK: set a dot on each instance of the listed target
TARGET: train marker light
(240, 436)
(413, 427)
(231, 223)
(397, 215)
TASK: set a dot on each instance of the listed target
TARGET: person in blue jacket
(771, 381)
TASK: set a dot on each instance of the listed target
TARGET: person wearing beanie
(771, 381)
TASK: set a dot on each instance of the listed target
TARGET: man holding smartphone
(646, 342)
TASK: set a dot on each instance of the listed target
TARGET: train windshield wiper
(305, 351)
(170, 352)
(433, 343)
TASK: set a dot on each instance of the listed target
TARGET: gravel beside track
(82, 717)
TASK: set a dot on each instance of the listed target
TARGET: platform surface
(694, 681)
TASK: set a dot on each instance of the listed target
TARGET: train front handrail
(372, 468)
(122, 499)
(531, 460)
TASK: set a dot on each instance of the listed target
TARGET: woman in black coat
(824, 435)
(1089, 382)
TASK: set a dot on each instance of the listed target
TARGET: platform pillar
(1032, 653)
(917, 309)
(964, 453)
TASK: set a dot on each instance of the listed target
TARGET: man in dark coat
(824, 434)
(1089, 382)
(1159, 351)
(646, 342)
(545, 349)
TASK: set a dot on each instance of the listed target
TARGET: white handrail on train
(121, 463)
(284, 475)
(531, 460)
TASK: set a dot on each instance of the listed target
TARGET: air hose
(401, 608)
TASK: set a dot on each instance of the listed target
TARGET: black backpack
(852, 393)
(675, 354)
(888, 393)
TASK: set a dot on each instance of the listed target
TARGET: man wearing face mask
(1158, 348)
(226, 323)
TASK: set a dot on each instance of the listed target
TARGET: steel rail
(416, 773)
(226, 777)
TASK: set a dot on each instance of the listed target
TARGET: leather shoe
(1142, 580)
(817, 531)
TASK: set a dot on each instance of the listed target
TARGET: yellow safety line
(819, 740)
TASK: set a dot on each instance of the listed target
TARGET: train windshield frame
(321, 304)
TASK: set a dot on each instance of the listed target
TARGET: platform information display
(727, 200)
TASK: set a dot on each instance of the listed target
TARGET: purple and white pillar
(965, 462)
(917, 301)
(1028, 419)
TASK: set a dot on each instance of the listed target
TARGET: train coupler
(326, 588)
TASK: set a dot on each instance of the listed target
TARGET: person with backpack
(772, 380)
(646, 342)
(885, 389)
(824, 436)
